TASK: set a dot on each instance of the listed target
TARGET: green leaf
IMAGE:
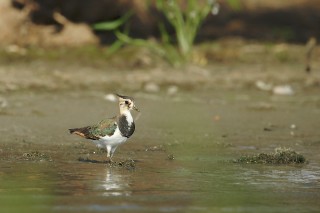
(113, 25)
(235, 4)
(115, 47)
(164, 34)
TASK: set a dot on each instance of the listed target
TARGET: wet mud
(179, 160)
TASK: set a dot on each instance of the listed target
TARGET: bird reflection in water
(116, 183)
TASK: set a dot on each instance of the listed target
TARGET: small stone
(263, 86)
(3, 103)
(293, 126)
(172, 90)
(110, 97)
(151, 87)
(283, 90)
(16, 49)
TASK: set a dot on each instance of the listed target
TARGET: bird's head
(126, 103)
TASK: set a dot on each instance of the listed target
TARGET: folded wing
(95, 132)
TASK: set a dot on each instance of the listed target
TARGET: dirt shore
(228, 63)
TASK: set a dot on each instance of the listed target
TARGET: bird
(111, 132)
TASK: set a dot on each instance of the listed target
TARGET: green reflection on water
(25, 188)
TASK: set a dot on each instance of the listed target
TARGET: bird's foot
(109, 161)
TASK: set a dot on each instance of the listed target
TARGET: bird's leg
(109, 160)
(109, 154)
(113, 149)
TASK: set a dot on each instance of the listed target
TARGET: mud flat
(181, 155)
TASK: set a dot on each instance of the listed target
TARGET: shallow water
(203, 132)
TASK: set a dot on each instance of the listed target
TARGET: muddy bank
(229, 63)
(56, 77)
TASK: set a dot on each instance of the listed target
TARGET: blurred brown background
(57, 22)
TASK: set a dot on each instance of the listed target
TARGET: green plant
(115, 27)
(185, 21)
(235, 4)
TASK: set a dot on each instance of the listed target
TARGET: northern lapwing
(111, 132)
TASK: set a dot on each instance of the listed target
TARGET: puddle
(182, 151)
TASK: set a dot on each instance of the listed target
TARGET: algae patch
(128, 164)
(36, 156)
(279, 156)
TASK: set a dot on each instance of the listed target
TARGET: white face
(127, 104)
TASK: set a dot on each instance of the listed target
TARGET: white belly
(113, 140)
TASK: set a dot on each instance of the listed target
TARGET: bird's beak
(135, 108)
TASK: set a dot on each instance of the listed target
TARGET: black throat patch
(125, 129)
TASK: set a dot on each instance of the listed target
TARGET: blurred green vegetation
(207, 53)
(25, 190)
(235, 4)
(177, 48)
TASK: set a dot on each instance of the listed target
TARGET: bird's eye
(126, 102)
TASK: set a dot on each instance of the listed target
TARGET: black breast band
(125, 129)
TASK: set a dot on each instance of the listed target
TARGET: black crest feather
(124, 97)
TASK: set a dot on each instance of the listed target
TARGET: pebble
(283, 90)
(110, 97)
(3, 103)
(263, 85)
(293, 126)
(151, 87)
(16, 49)
(172, 90)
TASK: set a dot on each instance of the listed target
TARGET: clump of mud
(128, 164)
(279, 156)
(170, 157)
(36, 156)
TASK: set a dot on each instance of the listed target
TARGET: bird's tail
(83, 132)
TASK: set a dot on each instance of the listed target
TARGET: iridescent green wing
(104, 127)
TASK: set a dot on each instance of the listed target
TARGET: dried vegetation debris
(156, 148)
(36, 156)
(279, 156)
(128, 164)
